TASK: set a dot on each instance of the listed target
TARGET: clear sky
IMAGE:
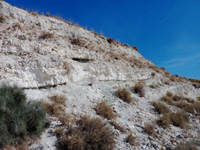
(167, 32)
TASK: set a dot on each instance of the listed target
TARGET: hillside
(49, 57)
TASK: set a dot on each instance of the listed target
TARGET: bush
(2, 18)
(187, 107)
(186, 146)
(160, 107)
(76, 41)
(110, 40)
(105, 110)
(179, 119)
(131, 140)
(124, 94)
(19, 118)
(56, 107)
(164, 121)
(88, 134)
(117, 126)
(149, 129)
(45, 35)
(139, 89)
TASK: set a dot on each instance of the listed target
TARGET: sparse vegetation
(88, 134)
(110, 40)
(55, 106)
(153, 74)
(187, 146)
(124, 94)
(179, 119)
(186, 107)
(2, 18)
(46, 35)
(117, 126)
(164, 121)
(154, 86)
(105, 110)
(135, 48)
(19, 118)
(161, 108)
(150, 129)
(131, 139)
(139, 89)
(76, 41)
(47, 14)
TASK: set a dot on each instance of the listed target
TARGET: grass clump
(105, 110)
(186, 107)
(2, 18)
(150, 129)
(179, 119)
(161, 108)
(46, 35)
(139, 89)
(124, 94)
(164, 121)
(110, 40)
(186, 146)
(131, 139)
(56, 106)
(117, 126)
(19, 118)
(88, 134)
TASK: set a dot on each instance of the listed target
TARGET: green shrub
(18, 118)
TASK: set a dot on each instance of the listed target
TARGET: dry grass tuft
(76, 41)
(150, 129)
(47, 14)
(164, 121)
(105, 110)
(135, 48)
(161, 108)
(154, 86)
(139, 89)
(67, 67)
(34, 13)
(117, 126)
(46, 35)
(186, 107)
(153, 74)
(110, 40)
(131, 139)
(124, 94)
(59, 99)
(179, 119)
(56, 107)
(88, 134)
(2, 18)
(187, 146)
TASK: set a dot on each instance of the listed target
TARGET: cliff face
(47, 56)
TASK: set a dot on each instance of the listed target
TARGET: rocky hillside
(143, 106)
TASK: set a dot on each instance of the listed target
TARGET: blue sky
(167, 32)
